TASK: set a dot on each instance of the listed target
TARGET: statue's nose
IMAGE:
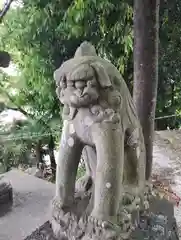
(80, 92)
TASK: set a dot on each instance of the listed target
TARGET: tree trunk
(39, 156)
(172, 94)
(5, 9)
(51, 147)
(146, 28)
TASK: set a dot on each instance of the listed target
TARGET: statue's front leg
(67, 165)
(68, 159)
(109, 141)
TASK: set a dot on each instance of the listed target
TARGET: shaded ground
(167, 163)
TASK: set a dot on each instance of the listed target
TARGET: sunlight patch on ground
(8, 116)
(11, 70)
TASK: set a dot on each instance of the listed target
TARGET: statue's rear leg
(89, 156)
(134, 169)
(84, 183)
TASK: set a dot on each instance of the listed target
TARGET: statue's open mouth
(80, 93)
(81, 101)
(82, 96)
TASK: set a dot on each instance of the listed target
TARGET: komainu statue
(99, 123)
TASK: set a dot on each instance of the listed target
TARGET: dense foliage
(169, 85)
(41, 34)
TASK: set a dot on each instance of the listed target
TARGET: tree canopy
(39, 35)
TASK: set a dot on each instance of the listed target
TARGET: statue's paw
(124, 216)
(132, 205)
(95, 228)
(57, 203)
(127, 198)
(144, 201)
(63, 221)
(146, 205)
(99, 223)
(83, 184)
(58, 230)
(98, 229)
(61, 213)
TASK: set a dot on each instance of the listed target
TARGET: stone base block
(158, 224)
(153, 230)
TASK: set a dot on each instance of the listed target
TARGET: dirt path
(167, 162)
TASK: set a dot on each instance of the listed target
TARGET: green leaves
(41, 35)
(169, 87)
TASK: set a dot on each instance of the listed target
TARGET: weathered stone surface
(159, 224)
(100, 122)
(31, 201)
(154, 226)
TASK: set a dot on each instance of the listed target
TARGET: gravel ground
(167, 163)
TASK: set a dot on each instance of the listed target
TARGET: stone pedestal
(159, 224)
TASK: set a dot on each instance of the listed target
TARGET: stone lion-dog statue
(99, 123)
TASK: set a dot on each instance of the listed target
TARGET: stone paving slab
(30, 209)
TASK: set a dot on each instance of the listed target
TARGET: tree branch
(5, 9)
(17, 108)
(20, 109)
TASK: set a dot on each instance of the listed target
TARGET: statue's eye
(80, 84)
(70, 83)
(63, 84)
(92, 83)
